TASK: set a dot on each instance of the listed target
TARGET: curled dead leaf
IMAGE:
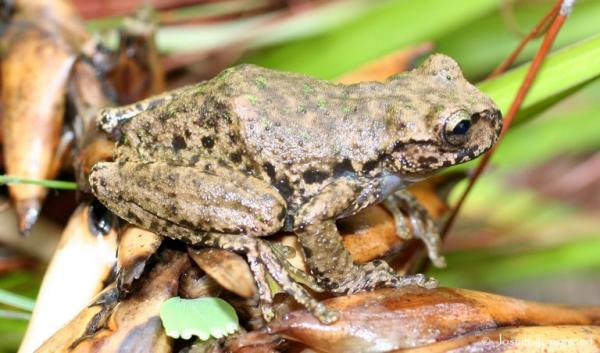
(138, 71)
(229, 269)
(136, 245)
(34, 75)
(195, 284)
(391, 64)
(548, 339)
(81, 263)
(389, 319)
(132, 325)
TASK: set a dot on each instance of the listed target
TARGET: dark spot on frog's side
(343, 167)
(369, 166)
(208, 142)
(284, 188)
(188, 133)
(178, 143)
(173, 209)
(185, 223)
(233, 137)
(133, 217)
(427, 160)
(235, 157)
(313, 176)
(270, 170)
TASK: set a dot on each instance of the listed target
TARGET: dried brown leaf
(391, 64)
(34, 75)
(136, 245)
(229, 269)
(81, 264)
(389, 319)
(548, 339)
(132, 325)
(138, 71)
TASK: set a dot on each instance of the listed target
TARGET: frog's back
(297, 120)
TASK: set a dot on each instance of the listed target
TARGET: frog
(255, 151)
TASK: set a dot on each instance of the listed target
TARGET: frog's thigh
(230, 203)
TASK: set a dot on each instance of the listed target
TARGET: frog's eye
(457, 127)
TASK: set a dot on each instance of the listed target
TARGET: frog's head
(441, 119)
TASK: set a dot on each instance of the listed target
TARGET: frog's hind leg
(264, 260)
(422, 225)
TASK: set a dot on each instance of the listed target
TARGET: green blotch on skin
(346, 109)
(200, 89)
(302, 109)
(261, 82)
(252, 99)
(201, 317)
(322, 103)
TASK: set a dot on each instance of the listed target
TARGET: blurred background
(531, 227)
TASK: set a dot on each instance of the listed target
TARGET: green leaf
(479, 46)
(201, 317)
(501, 266)
(15, 300)
(561, 72)
(388, 27)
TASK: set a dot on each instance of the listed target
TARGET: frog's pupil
(462, 127)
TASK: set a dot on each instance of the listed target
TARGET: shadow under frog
(255, 151)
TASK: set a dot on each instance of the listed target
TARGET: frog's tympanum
(256, 151)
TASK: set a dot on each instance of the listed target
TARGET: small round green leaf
(201, 317)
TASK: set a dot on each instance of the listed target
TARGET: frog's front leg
(422, 226)
(329, 261)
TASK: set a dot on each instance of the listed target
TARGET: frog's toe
(418, 279)
(422, 226)
(279, 272)
(378, 274)
(402, 229)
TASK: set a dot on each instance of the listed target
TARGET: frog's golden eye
(457, 127)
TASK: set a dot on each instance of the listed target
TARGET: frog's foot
(377, 274)
(422, 225)
(264, 261)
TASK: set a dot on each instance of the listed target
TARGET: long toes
(420, 280)
(438, 261)
(280, 275)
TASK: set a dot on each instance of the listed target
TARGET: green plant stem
(52, 184)
(15, 300)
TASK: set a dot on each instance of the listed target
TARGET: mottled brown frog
(256, 151)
